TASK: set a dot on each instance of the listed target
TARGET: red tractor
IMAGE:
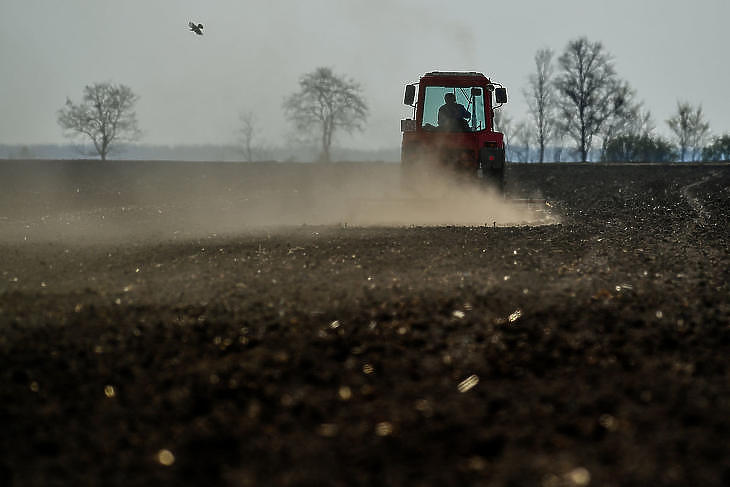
(453, 128)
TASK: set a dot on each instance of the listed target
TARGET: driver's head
(450, 98)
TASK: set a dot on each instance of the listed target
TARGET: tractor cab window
(462, 109)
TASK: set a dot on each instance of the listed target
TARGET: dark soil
(140, 351)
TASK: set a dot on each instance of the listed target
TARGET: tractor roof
(454, 78)
(469, 74)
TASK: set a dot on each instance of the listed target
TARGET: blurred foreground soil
(161, 324)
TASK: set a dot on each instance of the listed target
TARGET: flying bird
(198, 29)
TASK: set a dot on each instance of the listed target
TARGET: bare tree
(643, 124)
(627, 117)
(632, 124)
(540, 99)
(718, 150)
(690, 130)
(324, 104)
(523, 135)
(106, 116)
(248, 135)
(639, 148)
(585, 85)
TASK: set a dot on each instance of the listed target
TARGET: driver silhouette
(452, 115)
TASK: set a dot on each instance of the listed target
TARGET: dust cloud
(91, 201)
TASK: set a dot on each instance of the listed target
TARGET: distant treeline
(207, 152)
(232, 153)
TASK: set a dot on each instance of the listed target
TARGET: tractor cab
(453, 125)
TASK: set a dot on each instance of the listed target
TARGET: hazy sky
(253, 52)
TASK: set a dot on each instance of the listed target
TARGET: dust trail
(438, 198)
(91, 201)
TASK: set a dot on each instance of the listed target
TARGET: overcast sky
(253, 52)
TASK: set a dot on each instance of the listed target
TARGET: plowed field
(277, 325)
